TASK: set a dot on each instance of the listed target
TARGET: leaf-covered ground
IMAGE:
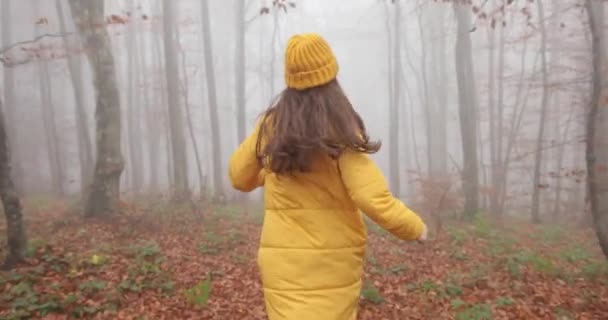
(169, 263)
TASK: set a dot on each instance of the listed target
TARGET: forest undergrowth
(161, 261)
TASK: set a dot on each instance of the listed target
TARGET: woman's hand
(423, 236)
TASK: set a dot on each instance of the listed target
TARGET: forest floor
(169, 263)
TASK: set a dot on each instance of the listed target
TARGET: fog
(506, 64)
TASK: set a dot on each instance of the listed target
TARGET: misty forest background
(492, 114)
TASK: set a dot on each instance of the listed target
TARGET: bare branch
(8, 63)
(38, 38)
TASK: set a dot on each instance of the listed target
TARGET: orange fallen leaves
(413, 280)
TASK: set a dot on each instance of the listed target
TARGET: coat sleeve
(245, 172)
(368, 189)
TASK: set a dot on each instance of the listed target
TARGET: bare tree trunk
(515, 124)
(467, 110)
(240, 78)
(50, 127)
(15, 231)
(543, 115)
(597, 128)
(56, 166)
(500, 172)
(85, 149)
(155, 120)
(105, 189)
(186, 90)
(434, 79)
(557, 206)
(558, 155)
(218, 184)
(155, 136)
(240, 63)
(273, 52)
(147, 107)
(412, 123)
(427, 105)
(133, 96)
(9, 96)
(178, 141)
(394, 168)
(441, 81)
(500, 104)
(492, 122)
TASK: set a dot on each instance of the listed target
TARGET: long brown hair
(304, 124)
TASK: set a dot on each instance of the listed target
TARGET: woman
(310, 152)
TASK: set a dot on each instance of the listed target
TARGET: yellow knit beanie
(309, 62)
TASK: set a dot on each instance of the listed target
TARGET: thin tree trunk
(543, 115)
(515, 124)
(499, 173)
(186, 90)
(83, 136)
(427, 105)
(442, 94)
(557, 206)
(218, 184)
(273, 52)
(15, 230)
(240, 78)
(467, 110)
(597, 128)
(412, 124)
(105, 189)
(155, 119)
(492, 123)
(55, 156)
(394, 170)
(431, 26)
(389, 50)
(50, 128)
(145, 109)
(439, 81)
(12, 129)
(178, 141)
(133, 104)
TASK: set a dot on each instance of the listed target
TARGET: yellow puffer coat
(313, 239)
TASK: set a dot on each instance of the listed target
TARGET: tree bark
(492, 121)
(240, 80)
(467, 110)
(133, 124)
(394, 168)
(273, 52)
(178, 141)
(515, 124)
(500, 171)
(543, 115)
(105, 190)
(50, 127)
(15, 230)
(557, 206)
(218, 184)
(186, 91)
(12, 130)
(440, 76)
(434, 78)
(55, 155)
(156, 117)
(83, 136)
(597, 127)
(240, 63)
